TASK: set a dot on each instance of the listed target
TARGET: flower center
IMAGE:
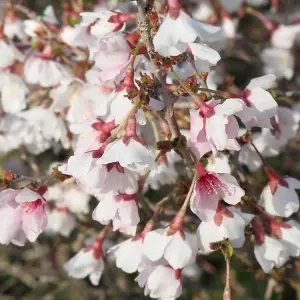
(30, 207)
(212, 185)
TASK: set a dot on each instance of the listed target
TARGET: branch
(167, 98)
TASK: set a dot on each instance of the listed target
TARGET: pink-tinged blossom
(178, 249)
(91, 134)
(279, 197)
(121, 208)
(89, 147)
(111, 56)
(270, 253)
(204, 121)
(178, 29)
(42, 69)
(119, 180)
(87, 262)
(229, 223)
(161, 282)
(94, 26)
(24, 210)
(31, 212)
(209, 189)
(258, 105)
(97, 178)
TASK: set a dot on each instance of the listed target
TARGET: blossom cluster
(132, 96)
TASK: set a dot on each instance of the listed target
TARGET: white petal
(209, 232)
(129, 255)
(263, 102)
(155, 243)
(97, 272)
(203, 52)
(229, 107)
(128, 212)
(105, 210)
(178, 252)
(293, 182)
(235, 229)
(204, 205)
(27, 195)
(283, 203)
(265, 82)
(81, 265)
(233, 192)
(218, 137)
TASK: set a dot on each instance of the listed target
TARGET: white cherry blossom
(212, 115)
(284, 200)
(132, 155)
(161, 282)
(87, 262)
(209, 189)
(290, 237)
(178, 249)
(122, 208)
(271, 253)
(259, 105)
(230, 224)
(174, 34)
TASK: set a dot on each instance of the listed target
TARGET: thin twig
(146, 36)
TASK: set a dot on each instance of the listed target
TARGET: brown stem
(182, 210)
(146, 36)
(259, 154)
(227, 290)
(191, 92)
